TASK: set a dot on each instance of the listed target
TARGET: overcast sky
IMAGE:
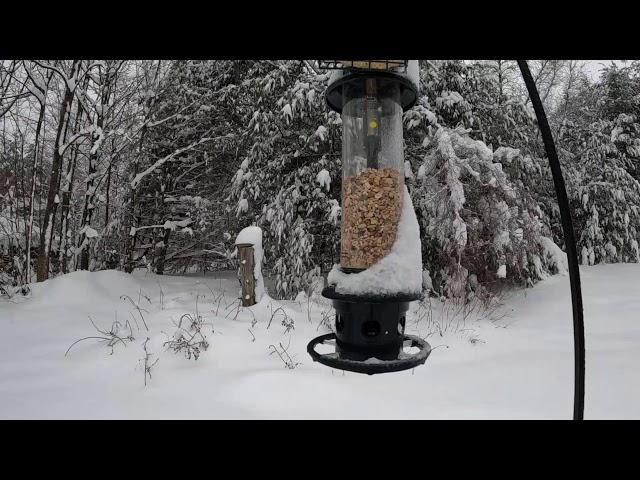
(593, 67)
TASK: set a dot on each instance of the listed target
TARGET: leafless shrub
(189, 339)
(283, 353)
(118, 333)
(454, 313)
(235, 311)
(287, 322)
(217, 299)
(326, 320)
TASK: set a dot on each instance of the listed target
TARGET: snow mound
(399, 272)
(84, 287)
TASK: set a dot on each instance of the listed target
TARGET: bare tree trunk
(134, 214)
(106, 208)
(87, 213)
(162, 254)
(34, 176)
(90, 196)
(46, 234)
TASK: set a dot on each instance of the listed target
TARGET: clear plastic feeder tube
(372, 170)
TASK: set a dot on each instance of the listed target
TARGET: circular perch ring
(404, 362)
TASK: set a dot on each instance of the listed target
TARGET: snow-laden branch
(138, 178)
(70, 82)
(151, 124)
(74, 137)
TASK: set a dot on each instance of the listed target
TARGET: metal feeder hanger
(371, 95)
(370, 334)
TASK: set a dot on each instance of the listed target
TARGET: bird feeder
(369, 333)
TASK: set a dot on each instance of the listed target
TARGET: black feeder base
(370, 335)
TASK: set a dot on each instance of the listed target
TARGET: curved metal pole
(569, 240)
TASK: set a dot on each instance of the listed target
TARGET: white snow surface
(516, 367)
(398, 272)
(253, 236)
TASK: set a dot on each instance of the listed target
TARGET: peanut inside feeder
(371, 206)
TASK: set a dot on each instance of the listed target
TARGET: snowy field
(514, 362)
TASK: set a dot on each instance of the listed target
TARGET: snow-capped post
(380, 269)
(249, 247)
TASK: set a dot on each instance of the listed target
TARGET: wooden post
(246, 272)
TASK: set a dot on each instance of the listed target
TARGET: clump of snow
(324, 179)
(407, 170)
(243, 206)
(90, 232)
(253, 236)
(334, 76)
(335, 211)
(502, 271)
(448, 99)
(413, 73)
(321, 132)
(287, 113)
(398, 272)
(427, 282)
(173, 224)
(557, 258)
(505, 155)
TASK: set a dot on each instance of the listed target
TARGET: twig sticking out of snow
(147, 366)
(137, 307)
(112, 337)
(283, 353)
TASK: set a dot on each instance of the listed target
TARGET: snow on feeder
(380, 269)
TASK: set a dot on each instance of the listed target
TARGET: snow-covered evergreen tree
(289, 180)
(476, 226)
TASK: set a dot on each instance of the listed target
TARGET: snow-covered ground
(514, 366)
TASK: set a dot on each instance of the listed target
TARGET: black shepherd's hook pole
(569, 240)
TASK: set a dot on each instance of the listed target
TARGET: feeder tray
(369, 334)
(365, 363)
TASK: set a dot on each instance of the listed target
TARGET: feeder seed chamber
(371, 96)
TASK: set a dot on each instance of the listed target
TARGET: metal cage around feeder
(369, 333)
(368, 65)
